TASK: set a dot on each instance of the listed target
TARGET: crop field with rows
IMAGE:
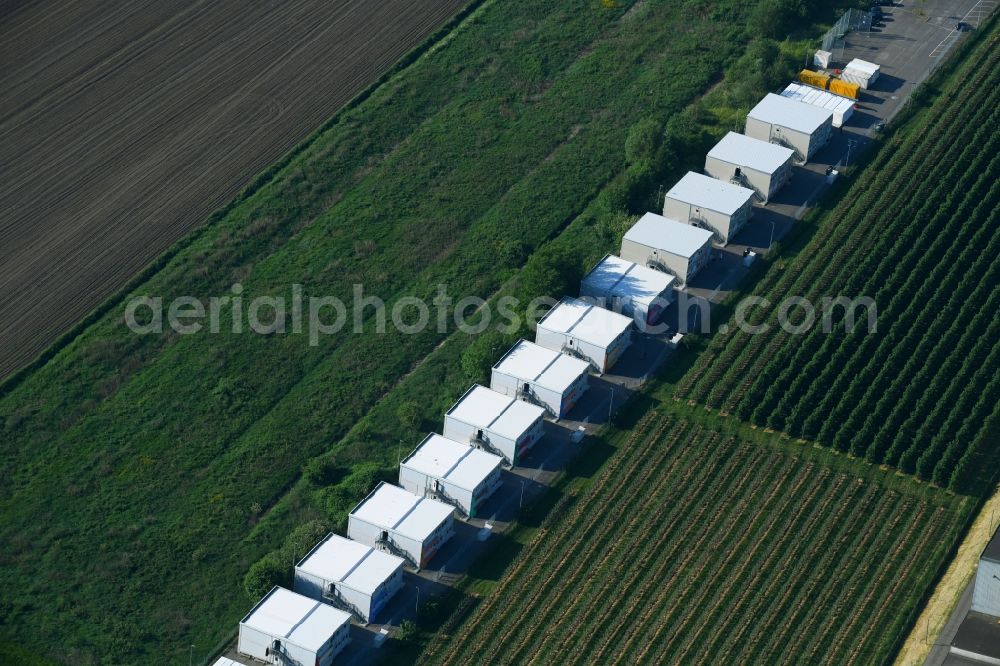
(919, 233)
(693, 546)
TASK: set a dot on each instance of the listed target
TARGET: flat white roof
(706, 192)
(744, 151)
(298, 619)
(668, 235)
(816, 97)
(790, 113)
(585, 321)
(458, 463)
(226, 661)
(487, 409)
(545, 367)
(625, 279)
(401, 511)
(353, 564)
(859, 65)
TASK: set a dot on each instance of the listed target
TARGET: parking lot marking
(979, 11)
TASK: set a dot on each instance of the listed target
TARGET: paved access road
(124, 125)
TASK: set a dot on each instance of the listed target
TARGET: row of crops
(920, 234)
(694, 547)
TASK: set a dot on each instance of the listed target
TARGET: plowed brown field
(123, 125)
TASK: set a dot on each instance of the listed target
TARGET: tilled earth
(123, 125)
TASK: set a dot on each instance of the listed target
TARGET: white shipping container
(500, 424)
(757, 165)
(289, 628)
(668, 245)
(624, 286)
(861, 72)
(451, 472)
(722, 208)
(986, 592)
(796, 125)
(402, 523)
(350, 575)
(586, 331)
(541, 376)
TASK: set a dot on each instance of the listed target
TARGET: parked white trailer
(986, 593)
(541, 376)
(349, 575)
(624, 286)
(842, 108)
(721, 207)
(861, 72)
(403, 524)
(977, 640)
(586, 331)
(801, 127)
(289, 628)
(668, 245)
(451, 472)
(757, 165)
(494, 422)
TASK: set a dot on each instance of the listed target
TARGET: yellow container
(844, 89)
(814, 79)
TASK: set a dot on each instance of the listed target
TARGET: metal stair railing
(442, 496)
(484, 444)
(528, 395)
(333, 596)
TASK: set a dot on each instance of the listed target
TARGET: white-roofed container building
(541, 376)
(451, 472)
(289, 628)
(719, 206)
(403, 524)
(668, 245)
(349, 575)
(757, 165)
(586, 331)
(494, 422)
(842, 108)
(627, 287)
(796, 125)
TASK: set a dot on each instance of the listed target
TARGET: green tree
(482, 353)
(407, 631)
(614, 225)
(777, 18)
(553, 271)
(301, 540)
(643, 140)
(408, 413)
(264, 574)
(322, 472)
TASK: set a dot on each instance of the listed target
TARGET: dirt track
(123, 126)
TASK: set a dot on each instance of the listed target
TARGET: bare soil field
(122, 126)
